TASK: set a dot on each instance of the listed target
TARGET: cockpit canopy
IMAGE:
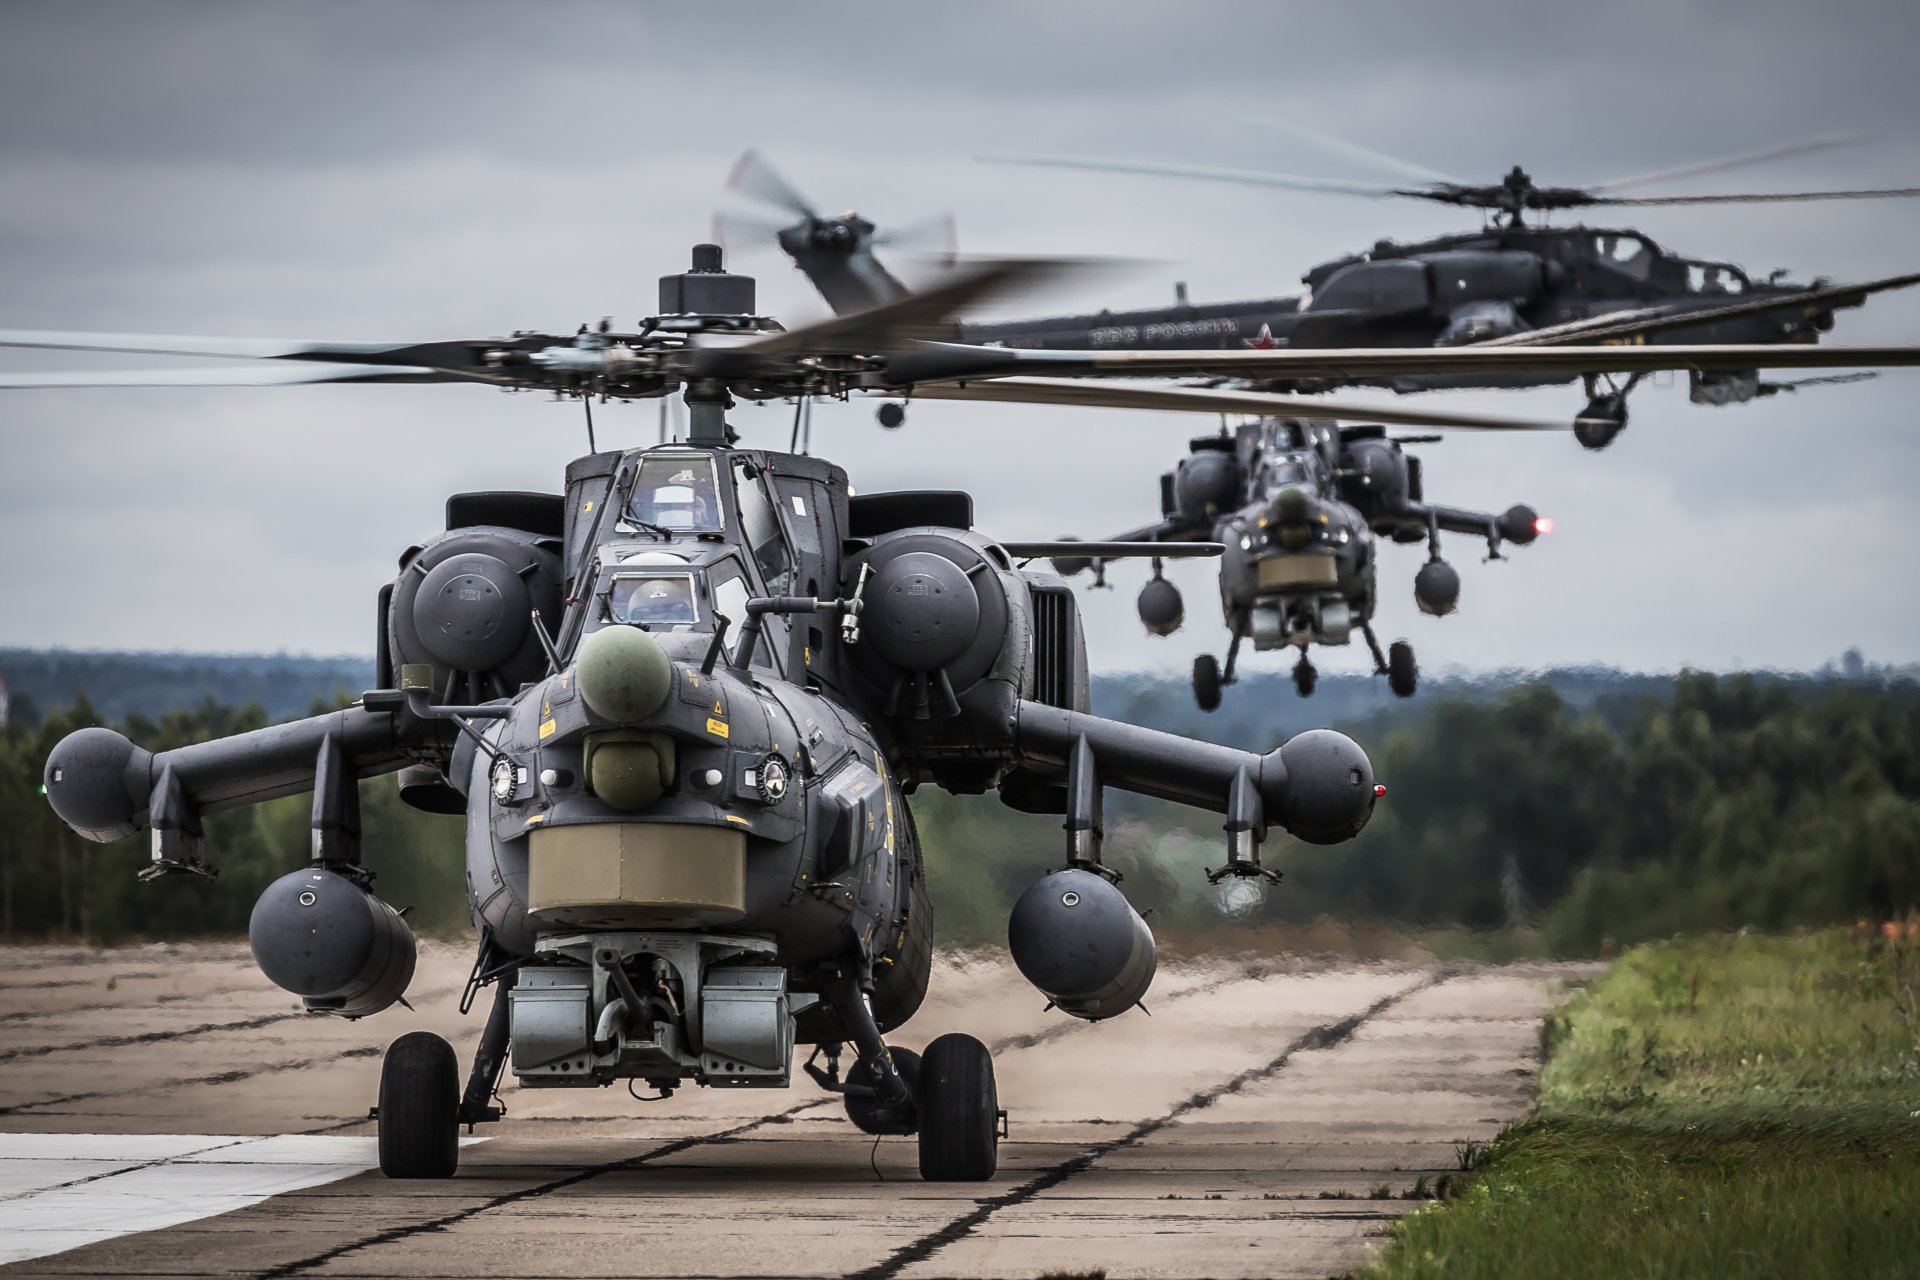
(653, 597)
(676, 492)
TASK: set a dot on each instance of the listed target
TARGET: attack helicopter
(1513, 282)
(1296, 505)
(683, 705)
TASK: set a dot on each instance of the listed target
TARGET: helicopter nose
(623, 674)
(1293, 518)
(1292, 505)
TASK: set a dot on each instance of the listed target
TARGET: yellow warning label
(719, 707)
(736, 818)
(547, 729)
(718, 728)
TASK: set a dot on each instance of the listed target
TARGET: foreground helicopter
(682, 705)
(1512, 282)
(1295, 505)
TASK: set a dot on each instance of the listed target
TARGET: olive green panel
(622, 875)
(1316, 570)
(623, 674)
(628, 769)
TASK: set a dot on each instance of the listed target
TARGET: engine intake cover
(924, 611)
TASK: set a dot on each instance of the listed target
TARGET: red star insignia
(1262, 341)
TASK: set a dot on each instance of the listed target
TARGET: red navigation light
(1379, 789)
(1543, 524)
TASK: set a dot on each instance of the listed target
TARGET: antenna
(587, 402)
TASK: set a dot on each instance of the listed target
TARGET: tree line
(1723, 801)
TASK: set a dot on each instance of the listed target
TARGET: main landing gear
(1396, 664)
(1304, 676)
(946, 1096)
(1209, 679)
(421, 1103)
(419, 1113)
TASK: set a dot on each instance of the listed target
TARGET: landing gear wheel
(865, 1110)
(1402, 675)
(1206, 681)
(1304, 677)
(419, 1108)
(959, 1112)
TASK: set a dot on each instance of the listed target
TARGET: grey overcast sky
(412, 170)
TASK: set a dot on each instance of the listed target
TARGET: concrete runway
(213, 1129)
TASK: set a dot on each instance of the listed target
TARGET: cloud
(414, 171)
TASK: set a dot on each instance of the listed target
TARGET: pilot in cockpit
(678, 494)
(653, 600)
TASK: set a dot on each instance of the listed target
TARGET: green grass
(1739, 1106)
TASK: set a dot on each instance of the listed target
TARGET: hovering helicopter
(683, 704)
(1296, 504)
(1513, 282)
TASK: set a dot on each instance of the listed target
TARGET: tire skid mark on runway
(205, 1028)
(154, 1163)
(150, 1037)
(23, 1015)
(223, 1077)
(1325, 1036)
(441, 1223)
(1250, 971)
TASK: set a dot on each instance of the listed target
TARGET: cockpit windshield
(1282, 472)
(653, 598)
(676, 492)
(1628, 254)
(1715, 277)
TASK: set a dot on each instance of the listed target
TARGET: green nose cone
(1292, 506)
(623, 674)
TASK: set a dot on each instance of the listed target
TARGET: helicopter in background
(1514, 282)
(1296, 506)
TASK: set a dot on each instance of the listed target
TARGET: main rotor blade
(1662, 319)
(934, 235)
(740, 233)
(1730, 162)
(1764, 197)
(926, 316)
(1352, 150)
(1126, 550)
(1204, 173)
(232, 376)
(1213, 400)
(962, 364)
(170, 345)
(753, 177)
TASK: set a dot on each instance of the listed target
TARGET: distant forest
(1566, 809)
